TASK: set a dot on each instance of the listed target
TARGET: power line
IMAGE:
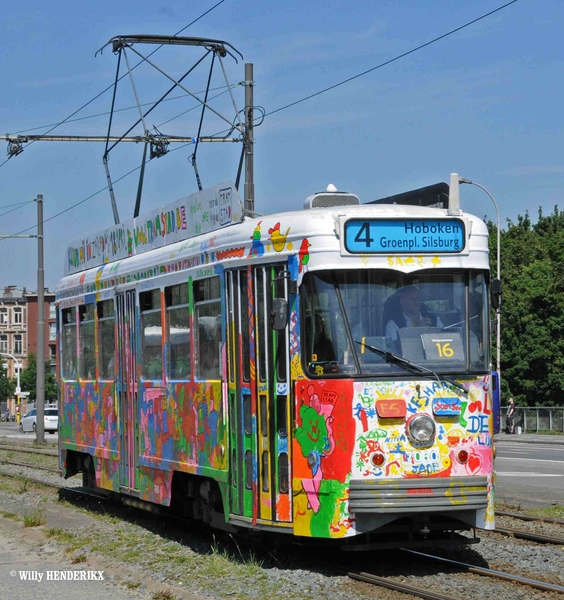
(88, 198)
(17, 207)
(16, 204)
(332, 87)
(124, 75)
(292, 103)
(103, 114)
(104, 91)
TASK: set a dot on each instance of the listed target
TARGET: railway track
(28, 450)
(6, 461)
(533, 583)
(522, 517)
(365, 575)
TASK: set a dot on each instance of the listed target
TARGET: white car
(51, 420)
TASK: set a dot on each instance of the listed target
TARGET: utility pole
(40, 389)
(249, 139)
(18, 388)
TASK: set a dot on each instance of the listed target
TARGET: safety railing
(536, 419)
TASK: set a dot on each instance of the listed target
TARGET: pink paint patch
(311, 487)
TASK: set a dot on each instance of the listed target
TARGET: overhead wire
(15, 204)
(103, 189)
(387, 62)
(17, 207)
(90, 102)
(103, 114)
(266, 114)
(124, 75)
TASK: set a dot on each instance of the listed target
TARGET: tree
(7, 386)
(28, 380)
(532, 314)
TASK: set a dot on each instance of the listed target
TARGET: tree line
(532, 311)
(28, 382)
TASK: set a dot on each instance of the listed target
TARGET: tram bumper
(417, 512)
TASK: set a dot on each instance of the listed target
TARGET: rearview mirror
(496, 293)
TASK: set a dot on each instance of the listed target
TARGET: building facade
(13, 327)
(49, 317)
(18, 332)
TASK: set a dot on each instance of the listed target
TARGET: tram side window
(178, 331)
(207, 323)
(87, 345)
(69, 343)
(152, 335)
(106, 339)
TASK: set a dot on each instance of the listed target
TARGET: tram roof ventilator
(331, 197)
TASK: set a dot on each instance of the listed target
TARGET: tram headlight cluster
(421, 429)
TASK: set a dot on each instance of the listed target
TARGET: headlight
(421, 429)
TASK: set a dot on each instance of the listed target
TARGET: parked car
(51, 420)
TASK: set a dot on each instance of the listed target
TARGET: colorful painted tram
(324, 373)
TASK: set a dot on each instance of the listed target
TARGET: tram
(323, 373)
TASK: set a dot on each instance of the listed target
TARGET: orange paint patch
(391, 409)
(283, 508)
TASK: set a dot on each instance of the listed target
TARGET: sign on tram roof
(202, 212)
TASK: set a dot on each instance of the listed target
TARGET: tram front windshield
(350, 319)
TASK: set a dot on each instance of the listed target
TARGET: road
(530, 472)
(11, 430)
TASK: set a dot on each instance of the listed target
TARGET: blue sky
(485, 102)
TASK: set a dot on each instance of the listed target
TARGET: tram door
(126, 389)
(259, 396)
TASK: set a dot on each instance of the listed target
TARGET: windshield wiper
(459, 323)
(392, 358)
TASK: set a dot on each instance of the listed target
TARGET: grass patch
(551, 512)
(7, 485)
(163, 596)
(132, 585)
(548, 512)
(34, 518)
(54, 532)
(80, 558)
(71, 541)
(9, 515)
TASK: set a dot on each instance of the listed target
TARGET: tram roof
(313, 232)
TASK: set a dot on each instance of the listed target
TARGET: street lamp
(18, 388)
(498, 311)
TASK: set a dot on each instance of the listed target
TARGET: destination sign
(377, 236)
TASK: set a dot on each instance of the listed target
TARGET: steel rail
(29, 450)
(5, 461)
(522, 517)
(527, 535)
(534, 583)
(33, 480)
(397, 586)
